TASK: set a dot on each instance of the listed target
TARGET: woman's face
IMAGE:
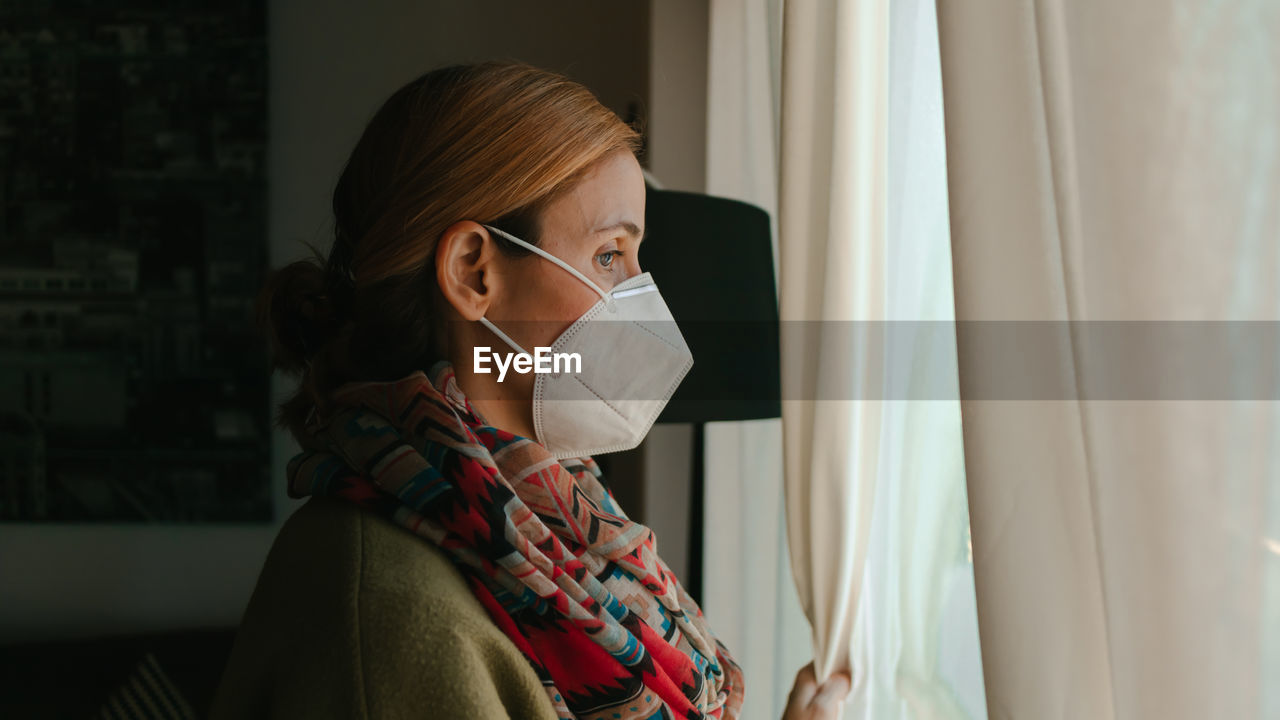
(596, 228)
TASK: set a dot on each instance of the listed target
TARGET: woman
(460, 555)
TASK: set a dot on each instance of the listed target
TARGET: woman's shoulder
(339, 552)
(350, 607)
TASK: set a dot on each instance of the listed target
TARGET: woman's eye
(606, 258)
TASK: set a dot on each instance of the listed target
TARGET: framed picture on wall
(134, 386)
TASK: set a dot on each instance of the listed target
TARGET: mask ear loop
(606, 297)
(501, 335)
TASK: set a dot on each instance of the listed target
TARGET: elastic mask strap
(501, 335)
(608, 299)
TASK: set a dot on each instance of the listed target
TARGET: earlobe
(464, 268)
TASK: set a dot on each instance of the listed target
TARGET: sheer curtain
(904, 613)
(750, 598)
(1119, 162)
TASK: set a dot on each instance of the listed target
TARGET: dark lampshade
(713, 261)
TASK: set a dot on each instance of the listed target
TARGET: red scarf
(559, 567)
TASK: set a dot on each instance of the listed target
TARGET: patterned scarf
(575, 584)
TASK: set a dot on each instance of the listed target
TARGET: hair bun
(296, 313)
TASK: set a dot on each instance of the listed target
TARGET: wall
(678, 91)
(331, 64)
(678, 161)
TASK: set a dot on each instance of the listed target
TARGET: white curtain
(1120, 161)
(749, 596)
(832, 267)
(878, 520)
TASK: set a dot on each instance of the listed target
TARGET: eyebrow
(627, 225)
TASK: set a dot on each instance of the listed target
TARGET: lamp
(713, 259)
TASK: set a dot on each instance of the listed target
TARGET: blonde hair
(495, 142)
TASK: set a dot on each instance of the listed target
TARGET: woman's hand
(808, 701)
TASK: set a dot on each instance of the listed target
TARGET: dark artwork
(133, 384)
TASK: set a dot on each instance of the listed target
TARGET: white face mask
(633, 357)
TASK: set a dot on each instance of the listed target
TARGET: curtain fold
(750, 598)
(1119, 163)
(895, 465)
(749, 594)
(832, 215)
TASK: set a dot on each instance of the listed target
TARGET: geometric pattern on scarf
(576, 585)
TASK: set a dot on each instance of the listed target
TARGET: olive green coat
(356, 618)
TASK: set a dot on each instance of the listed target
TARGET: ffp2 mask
(632, 359)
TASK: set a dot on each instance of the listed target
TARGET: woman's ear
(465, 268)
